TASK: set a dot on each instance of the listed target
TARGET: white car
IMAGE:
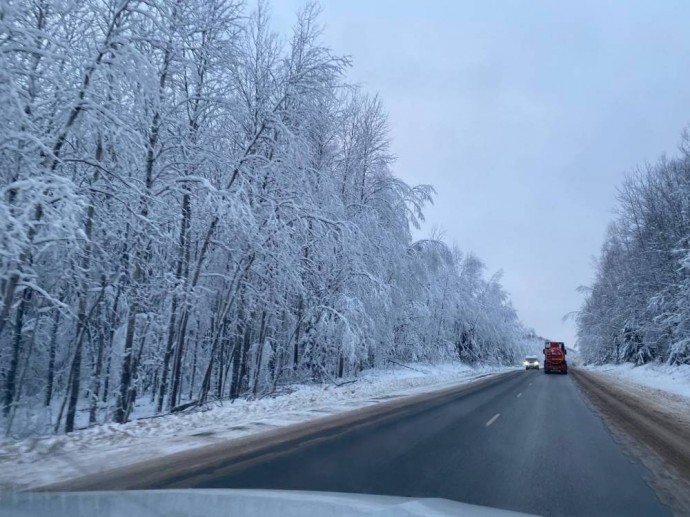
(531, 362)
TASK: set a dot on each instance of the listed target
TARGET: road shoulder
(653, 427)
(39, 460)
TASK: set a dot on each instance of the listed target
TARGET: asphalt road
(528, 442)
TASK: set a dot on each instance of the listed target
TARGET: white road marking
(519, 395)
(493, 419)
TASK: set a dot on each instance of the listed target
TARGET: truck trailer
(554, 357)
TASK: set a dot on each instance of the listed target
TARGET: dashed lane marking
(493, 419)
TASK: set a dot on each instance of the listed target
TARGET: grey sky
(525, 116)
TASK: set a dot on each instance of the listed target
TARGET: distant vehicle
(554, 357)
(531, 361)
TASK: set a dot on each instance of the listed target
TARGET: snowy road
(526, 441)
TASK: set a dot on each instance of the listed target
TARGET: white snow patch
(40, 461)
(671, 379)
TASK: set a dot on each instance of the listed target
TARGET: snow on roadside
(671, 379)
(35, 462)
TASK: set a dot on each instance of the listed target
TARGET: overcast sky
(524, 116)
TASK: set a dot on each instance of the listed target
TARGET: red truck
(554, 357)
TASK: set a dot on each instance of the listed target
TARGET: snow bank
(672, 379)
(39, 461)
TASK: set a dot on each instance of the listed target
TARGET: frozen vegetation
(638, 308)
(194, 208)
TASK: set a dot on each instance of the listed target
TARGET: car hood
(231, 503)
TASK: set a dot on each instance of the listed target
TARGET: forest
(638, 308)
(194, 207)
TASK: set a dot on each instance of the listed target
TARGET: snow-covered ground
(39, 461)
(671, 379)
(664, 388)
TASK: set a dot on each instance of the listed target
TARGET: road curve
(528, 442)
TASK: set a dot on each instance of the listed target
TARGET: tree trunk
(221, 369)
(51, 359)
(191, 382)
(217, 335)
(75, 385)
(177, 362)
(96, 379)
(168, 354)
(246, 341)
(7, 299)
(260, 350)
(295, 351)
(184, 263)
(236, 361)
(169, 349)
(234, 385)
(17, 399)
(126, 376)
(96, 384)
(106, 379)
(11, 383)
(341, 366)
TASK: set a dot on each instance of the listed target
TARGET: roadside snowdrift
(39, 461)
(671, 379)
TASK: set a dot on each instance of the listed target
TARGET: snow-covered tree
(637, 310)
(193, 208)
